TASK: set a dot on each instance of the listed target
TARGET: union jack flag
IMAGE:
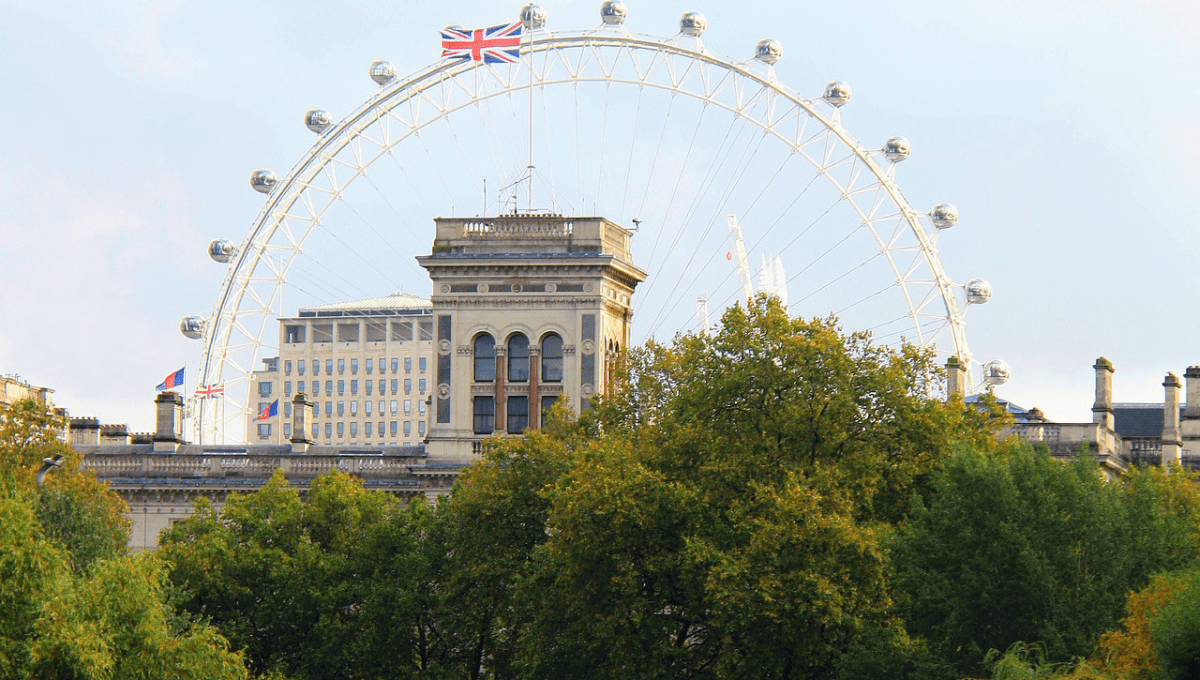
(210, 391)
(495, 45)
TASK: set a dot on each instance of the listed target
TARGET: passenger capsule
(613, 12)
(693, 23)
(896, 149)
(382, 71)
(995, 372)
(944, 215)
(837, 94)
(317, 120)
(192, 326)
(978, 291)
(533, 16)
(263, 181)
(222, 250)
(768, 50)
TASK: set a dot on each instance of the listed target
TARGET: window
(370, 384)
(293, 334)
(367, 426)
(552, 358)
(287, 409)
(354, 366)
(329, 367)
(518, 358)
(402, 330)
(376, 332)
(421, 407)
(408, 385)
(370, 366)
(300, 384)
(408, 407)
(315, 430)
(341, 366)
(408, 364)
(287, 388)
(300, 367)
(264, 430)
(329, 388)
(393, 428)
(353, 387)
(382, 387)
(353, 429)
(367, 407)
(322, 332)
(425, 329)
(395, 386)
(395, 407)
(341, 387)
(424, 363)
(421, 383)
(348, 332)
(264, 389)
(518, 414)
(287, 430)
(287, 367)
(395, 365)
(408, 428)
(485, 358)
(329, 430)
(316, 367)
(354, 408)
(341, 430)
(381, 432)
(329, 409)
(381, 407)
(421, 428)
(548, 403)
(341, 409)
(485, 414)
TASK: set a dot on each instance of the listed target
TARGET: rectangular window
(341, 408)
(341, 367)
(367, 407)
(367, 428)
(382, 434)
(353, 387)
(264, 430)
(316, 367)
(408, 407)
(341, 387)
(421, 384)
(329, 388)
(424, 363)
(287, 409)
(376, 332)
(395, 407)
(315, 430)
(370, 384)
(421, 407)
(395, 365)
(518, 414)
(341, 430)
(264, 389)
(354, 408)
(421, 428)
(329, 409)
(382, 387)
(287, 430)
(348, 332)
(299, 385)
(370, 365)
(407, 385)
(300, 367)
(322, 332)
(395, 386)
(408, 428)
(425, 328)
(287, 388)
(287, 366)
(293, 334)
(408, 364)
(354, 367)
(353, 429)
(329, 430)
(548, 403)
(485, 414)
(393, 428)
(402, 330)
(329, 367)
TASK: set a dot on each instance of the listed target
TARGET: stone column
(1102, 410)
(1190, 427)
(956, 378)
(168, 430)
(301, 410)
(1172, 444)
(535, 373)
(501, 374)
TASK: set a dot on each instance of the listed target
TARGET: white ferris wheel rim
(323, 158)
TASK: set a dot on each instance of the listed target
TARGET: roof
(1139, 420)
(385, 303)
(1020, 414)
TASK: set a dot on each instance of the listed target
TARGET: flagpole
(529, 53)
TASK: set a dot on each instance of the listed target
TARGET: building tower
(528, 309)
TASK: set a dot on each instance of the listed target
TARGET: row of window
(517, 413)
(340, 408)
(369, 430)
(371, 364)
(353, 331)
(265, 387)
(517, 369)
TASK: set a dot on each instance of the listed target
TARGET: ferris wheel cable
(555, 194)
(839, 277)
(603, 140)
(877, 293)
(657, 149)
(368, 225)
(412, 185)
(549, 156)
(438, 171)
(397, 213)
(823, 255)
(637, 114)
(325, 296)
(671, 201)
(471, 173)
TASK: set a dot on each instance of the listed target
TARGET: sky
(1065, 133)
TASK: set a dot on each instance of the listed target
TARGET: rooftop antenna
(637, 224)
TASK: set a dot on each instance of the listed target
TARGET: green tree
(1176, 632)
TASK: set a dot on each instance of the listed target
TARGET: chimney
(1172, 445)
(168, 429)
(1035, 415)
(301, 412)
(1102, 410)
(1190, 428)
(956, 378)
(85, 432)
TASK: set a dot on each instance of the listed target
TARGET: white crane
(739, 248)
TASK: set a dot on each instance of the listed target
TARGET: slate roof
(1139, 421)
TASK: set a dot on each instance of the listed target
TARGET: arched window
(552, 358)
(518, 358)
(485, 358)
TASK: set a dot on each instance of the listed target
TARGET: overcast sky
(1065, 132)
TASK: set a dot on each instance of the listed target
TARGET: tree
(1015, 546)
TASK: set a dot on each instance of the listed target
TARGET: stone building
(12, 388)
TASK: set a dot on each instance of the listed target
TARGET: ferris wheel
(659, 135)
